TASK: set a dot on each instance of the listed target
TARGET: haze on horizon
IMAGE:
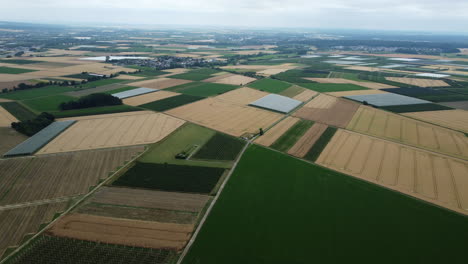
(425, 15)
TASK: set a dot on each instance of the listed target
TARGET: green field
(288, 139)
(270, 85)
(20, 61)
(186, 139)
(118, 90)
(202, 88)
(320, 144)
(415, 108)
(171, 102)
(18, 110)
(9, 70)
(220, 147)
(36, 92)
(292, 91)
(276, 209)
(196, 75)
(100, 83)
(96, 111)
(332, 87)
(47, 103)
(169, 177)
(78, 76)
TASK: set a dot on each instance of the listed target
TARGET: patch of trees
(92, 100)
(31, 127)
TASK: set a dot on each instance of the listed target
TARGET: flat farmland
(202, 88)
(220, 147)
(419, 82)
(10, 70)
(270, 85)
(408, 131)
(358, 92)
(6, 118)
(232, 79)
(290, 137)
(328, 110)
(291, 211)
(455, 119)
(115, 131)
(226, 117)
(305, 143)
(274, 133)
(242, 96)
(16, 223)
(171, 102)
(305, 95)
(48, 103)
(370, 85)
(53, 176)
(118, 231)
(459, 105)
(161, 83)
(332, 87)
(148, 98)
(425, 175)
(10, 138)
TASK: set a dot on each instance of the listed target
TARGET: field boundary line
(208, 211)
(37, 202)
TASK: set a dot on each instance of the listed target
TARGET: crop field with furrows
(408, 131)
(419, 82)
(52, 176)
(117, 131)
(101, 110)
(202, 88)
(226, 117)
(292, 135)
(169, 177)
(9, 139)
(293, 91)
(354, 215)
(6, 118)
(220, 147)
(415, 108)
(9, 70)
(328, 110)
(148, 234)
(270, 85)
(171, 102)
(274, 133)
(161, 83)
(332, 87)
(366, 84)
(232, 79)
(425, 175)
(18, 222)
(49, 249)
(357, 92)
(242, 96)
(305, 95)
(320, 144)
(148, 98)
(305, 143)
(455, 119)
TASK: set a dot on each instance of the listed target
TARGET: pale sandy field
(128, 77)
(148, 98)
(305, 143)
(227, 117)
(242, 96)
(357, 92)
(305, 95)
(435, 178)
(161, 83)
(113, 132)
(6, 118)
(409, 131)
(419, 82)
(370, 85)
(455, 119)
(235, 80)
(322, 101)
(218, 76)
(276, 131)
(104, 116)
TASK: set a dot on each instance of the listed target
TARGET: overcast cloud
(448, 15)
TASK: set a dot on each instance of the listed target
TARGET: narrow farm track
(35, 203)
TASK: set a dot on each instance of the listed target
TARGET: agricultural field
(458, 105)
(294, 90)
(305, 143)
(319, 145)
(270, 85)
(409, 131)
(6, 118)
(18, 111)
(242, 96)
(292, 135)
(274, 133)
(415, 108)
(35, 93)
(439, 95)
(425, 175)
(171, 102)
(232, 79)
(196, 75)
(148, 98)
(455, 119)
(331, 87)
(419, 82)
(47, 103)
(117, 131)
(220, 147)
(9, 70)
(202, 89)
(10, 139)
(161, 83)
(229, 118)
(101, 110)
(352, 212)
(362, 83)
(357, 92)
(305, 95)
(108, 89)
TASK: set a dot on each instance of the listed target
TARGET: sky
(425, 15)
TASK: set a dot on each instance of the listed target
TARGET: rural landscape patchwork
(215, 146)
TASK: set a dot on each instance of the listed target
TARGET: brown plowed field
(370, 85)
(148, 98)
(226, 117)
(113, 132)
(122, 231)
(276, 132)
(455, 119)
(435, 178)
(328, 110)
(16, 223)
(161, 83)
(52, 176)
(419, 82)
(306, 142)
(6, 118)
(395, 127)
(242, 96)
(305, 95)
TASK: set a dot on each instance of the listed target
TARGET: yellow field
(455, 119)
(113, 132)
(227, 117)
(394, 127)
(276, 132)
(419, 82)
(435, 178)
(128, 77)
(236, 80)
(148, 98)
(161, 83)
(265, 70)
(305, 95)
(371, 85)
(6, 118)
(305, 143)
(322, 101)
(133, 113)
(357, 92)
(242, 96)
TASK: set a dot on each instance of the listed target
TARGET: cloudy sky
(428, 15)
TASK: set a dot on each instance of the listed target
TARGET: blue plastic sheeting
(277, 103)
(40, 139)
(386, 99)
(134, 92)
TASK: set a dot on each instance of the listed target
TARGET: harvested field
(9, 139)
(232, 79)
(148, 98)
(202, 89)
(122, 231)
(161, 83)
(52, 176)
(242, 96)
(171, 102)
(370, 85)
(288, 139)
(113, 132)
(408, 131)
(328, 110)
(225, 116)
(425, 175)
(293, 91)
(419, 82)
(276, 132)
(128, 77)
(18, 110)
(305, 95)
(106, 115)
(459, 105)
(455, 119)
(218, 76)
(6, 118)
(16, 223)
(305, 143)
(358, 92)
